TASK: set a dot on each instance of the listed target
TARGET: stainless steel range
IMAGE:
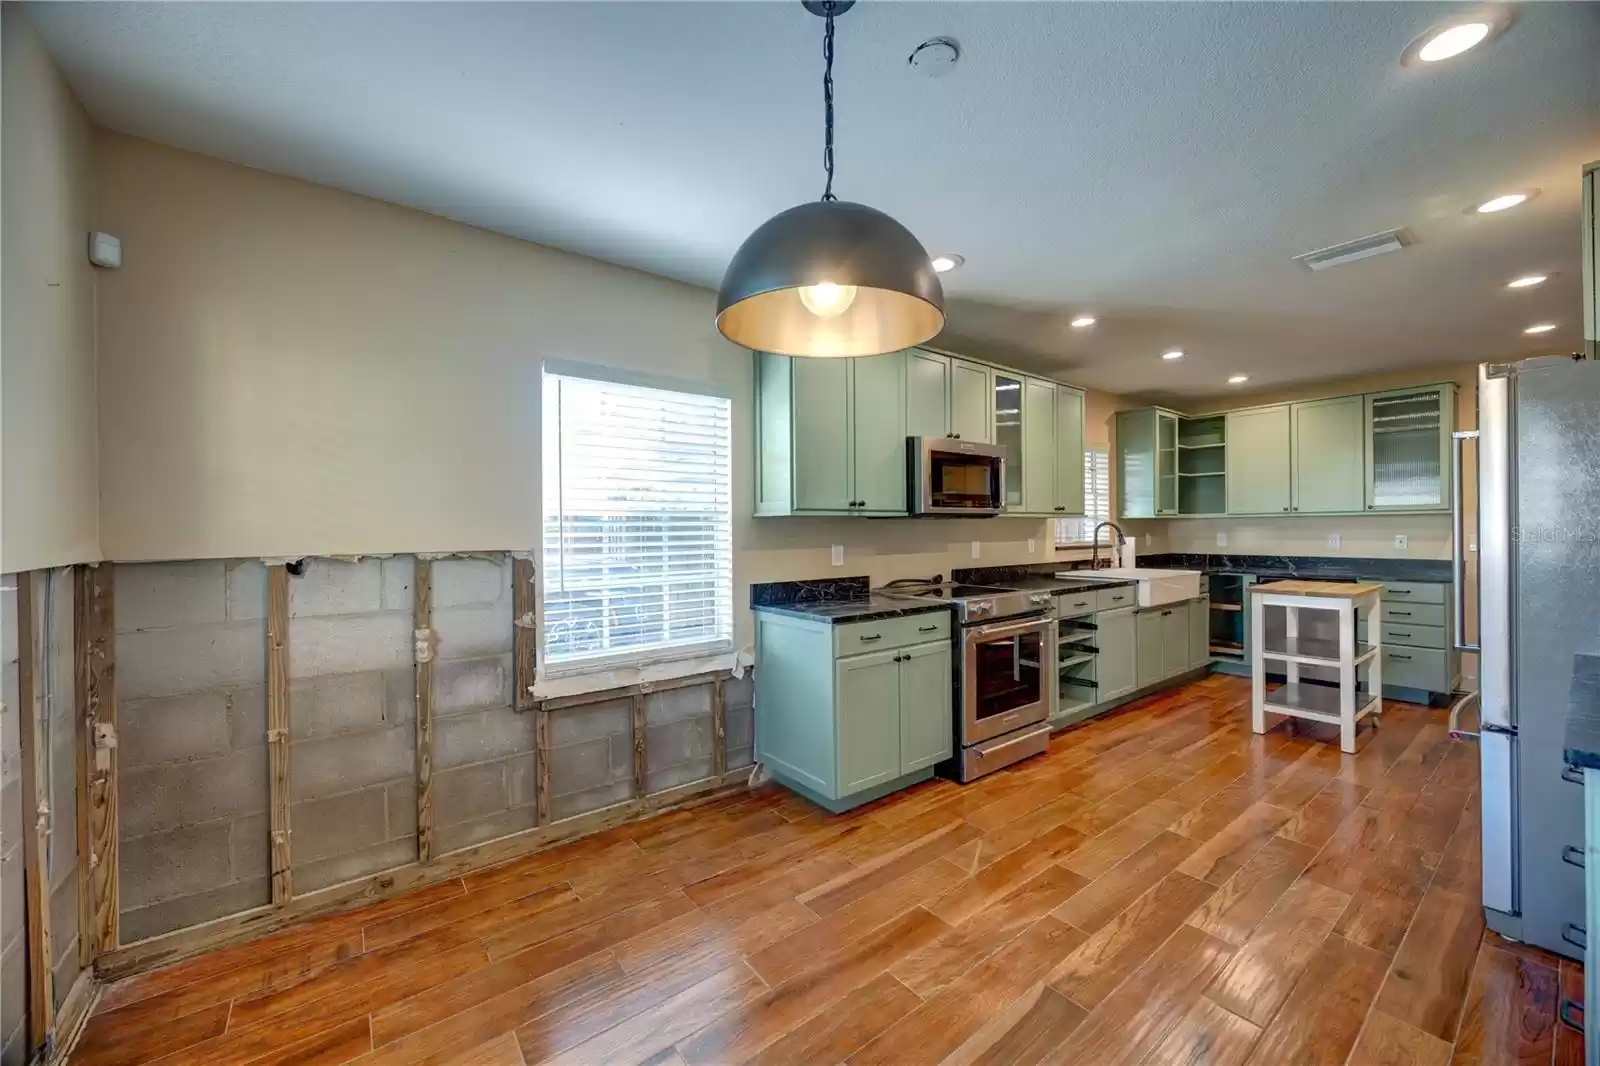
(1002, 695)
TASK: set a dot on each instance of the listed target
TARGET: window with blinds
(638, 524)
(1096, 502)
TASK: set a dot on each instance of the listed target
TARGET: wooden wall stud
(422, 632)
(278, 731)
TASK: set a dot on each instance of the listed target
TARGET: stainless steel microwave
(948, 476)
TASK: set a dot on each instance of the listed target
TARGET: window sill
(573, 679)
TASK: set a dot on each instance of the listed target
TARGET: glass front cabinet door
(1008, 434)
(1408, 448)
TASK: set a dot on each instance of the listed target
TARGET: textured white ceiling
(1156, 164)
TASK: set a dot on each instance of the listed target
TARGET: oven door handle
(1008, 629)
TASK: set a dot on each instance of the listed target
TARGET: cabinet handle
(1580, 940)
(1572, 856)
(901, 658)
(1401, 614)
(955, 436)
(927, 629)
(1399, 592)
(1572, 775)
(1396, 633)
(1571, 1014)
(868, 640)
(1286, 508)
(1397, 655)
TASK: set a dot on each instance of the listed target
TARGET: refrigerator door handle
(1458, 555)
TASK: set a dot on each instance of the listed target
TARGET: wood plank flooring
(1163, 887)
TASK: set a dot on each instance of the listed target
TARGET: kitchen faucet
(1094, 555)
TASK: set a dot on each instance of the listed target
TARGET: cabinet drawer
(1413, 592)
(1405, 633)
(1422, 668)
(1112, 599)
(1069, 604)
(1421, 614)
(857, 637)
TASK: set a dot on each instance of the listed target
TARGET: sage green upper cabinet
(1408, 449)
(821, 426)
(1039, 447)
(1591, 259)
(831, 435)
(971, 401)
(879, 438)
(1069, 451)
(1147, 462)
(869, 720)
(1008, 415)
(1258, 460)
(1329, 455)
(927, 394)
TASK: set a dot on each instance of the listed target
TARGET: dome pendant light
(831, 278)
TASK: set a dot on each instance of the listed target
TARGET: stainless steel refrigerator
(1538, 459)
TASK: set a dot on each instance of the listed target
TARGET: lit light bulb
(827, 300)
(1453, 41)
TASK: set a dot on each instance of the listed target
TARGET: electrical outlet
(976, 547)
(1333, 541)
(1400, 541)
(1030, 546)
(1222, 540)
(838, 555)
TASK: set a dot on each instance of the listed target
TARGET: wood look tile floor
(1162, 887)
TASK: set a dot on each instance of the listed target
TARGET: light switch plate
(1333, 541)
(1222, 540)
(1030, 546)
(1400, 541)
(838, 555)
(976, 547)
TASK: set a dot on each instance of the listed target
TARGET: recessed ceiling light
(1083, 322)
(1452, 41)
(1238, 379)
(1527, 281)
(1448, 40)
(1176, 353)
(1541, 327)
(1503, 202)
(947, 262)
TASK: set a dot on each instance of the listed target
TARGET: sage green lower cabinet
(1330, 472)
(1151, 633)
(1199, 632)
(1117, 665)
(868, 720)
(843, 729)
(926, 692)
(1174, 638)
(1258, 460)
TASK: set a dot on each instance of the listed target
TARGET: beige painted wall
(292, 370)
(48, 455)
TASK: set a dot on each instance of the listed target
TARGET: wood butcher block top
(1341, 590)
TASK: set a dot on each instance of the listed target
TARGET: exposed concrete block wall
(60, 711)
(483, 749)
(739, 719)
(591, 756)
(13, 917)
(679, 737)
(352, 715)
(191, 646)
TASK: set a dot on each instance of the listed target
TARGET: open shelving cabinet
(1202, 465)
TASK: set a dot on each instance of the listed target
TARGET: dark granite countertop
(1307, 566)
(1050, 583)
(874, 606)
(1583, 712)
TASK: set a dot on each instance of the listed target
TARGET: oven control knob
(1039, 597)
(981, 606)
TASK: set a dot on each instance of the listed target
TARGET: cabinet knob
(955, 436)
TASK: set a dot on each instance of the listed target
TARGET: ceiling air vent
(1361, 248)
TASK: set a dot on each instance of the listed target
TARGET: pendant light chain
(827, 105)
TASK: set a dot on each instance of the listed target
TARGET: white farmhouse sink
(1155, 587)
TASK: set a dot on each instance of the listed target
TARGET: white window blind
(638, 524)
(1096, 501)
